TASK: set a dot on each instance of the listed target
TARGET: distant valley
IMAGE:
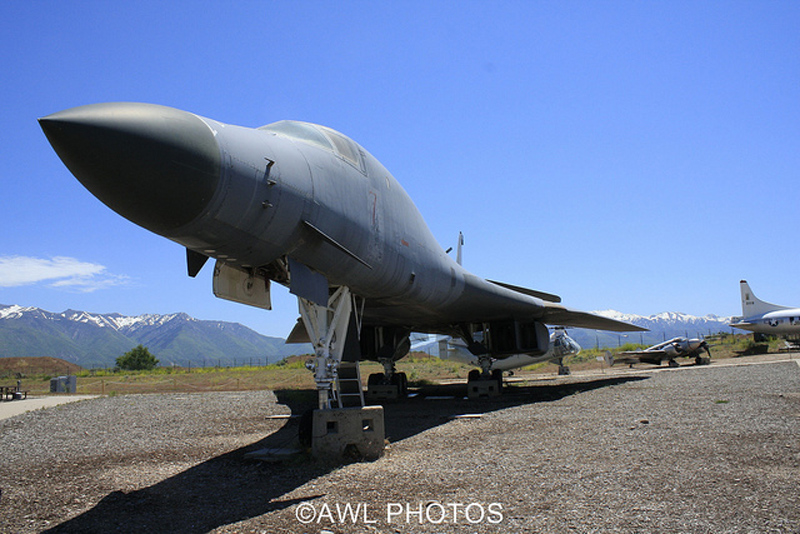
(96, 340)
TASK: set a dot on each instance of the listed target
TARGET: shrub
(137, 359)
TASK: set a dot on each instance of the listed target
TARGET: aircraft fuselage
(299, 204)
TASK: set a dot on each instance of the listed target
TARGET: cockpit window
(299, 130)
(344, 146)
(320, 136)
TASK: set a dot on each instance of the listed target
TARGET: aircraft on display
(561, 347)
(677, 347)
(306, 207)
(765, 319)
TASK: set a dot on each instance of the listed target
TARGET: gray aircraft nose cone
(154, 165)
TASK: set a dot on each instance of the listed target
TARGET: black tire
(400, 381)
(497, 375)
(403, 385)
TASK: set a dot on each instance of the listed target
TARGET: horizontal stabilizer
(555, 314)
(530, 292)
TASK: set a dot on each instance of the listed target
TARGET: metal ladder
(349, 391)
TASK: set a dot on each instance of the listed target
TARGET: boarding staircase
(349, 391)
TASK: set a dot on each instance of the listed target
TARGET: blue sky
(639, 156)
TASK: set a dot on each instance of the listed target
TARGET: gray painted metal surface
(260, 200)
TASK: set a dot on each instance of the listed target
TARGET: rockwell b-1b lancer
(304, 206)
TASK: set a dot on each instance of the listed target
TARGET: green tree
(137, 359)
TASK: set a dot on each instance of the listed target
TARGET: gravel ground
(697, 449)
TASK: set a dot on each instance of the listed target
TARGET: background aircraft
(763, 318)
(678, 347)
(304, 206)
(561, 347)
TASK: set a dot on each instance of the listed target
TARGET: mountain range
(96, 340)
(661, 326)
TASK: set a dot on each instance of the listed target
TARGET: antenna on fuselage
(458, 250)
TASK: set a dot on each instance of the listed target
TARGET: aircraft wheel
(497, 374)
(473, 375)
(375, 379)
(702, 361)
(403, 384)
(401, 381)
(673, 363)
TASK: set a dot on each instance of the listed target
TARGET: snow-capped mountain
(666, 320)
(114, 321)
(661, 326)
(91, 339)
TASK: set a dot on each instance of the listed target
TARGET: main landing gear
(386, 345)
(487, 382)
(389, 385)
(338, 432)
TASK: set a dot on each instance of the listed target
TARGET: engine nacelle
(384, 342)
(672, 350)
(507, 337)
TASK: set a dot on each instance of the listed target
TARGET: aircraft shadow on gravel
(230, 488)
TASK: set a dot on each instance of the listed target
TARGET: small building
(64, 384)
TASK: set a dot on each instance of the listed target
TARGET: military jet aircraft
(677, 347)
(765, 319)
(561, 347)
(304, 206)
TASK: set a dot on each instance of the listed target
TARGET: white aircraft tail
(752, 306)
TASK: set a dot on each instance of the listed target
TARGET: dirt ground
(695, 449)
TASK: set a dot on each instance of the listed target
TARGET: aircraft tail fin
(752, 305)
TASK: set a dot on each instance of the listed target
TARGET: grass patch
(291, 373)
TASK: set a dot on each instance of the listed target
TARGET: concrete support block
(348, 433)
(477, 389)
(382, 392)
